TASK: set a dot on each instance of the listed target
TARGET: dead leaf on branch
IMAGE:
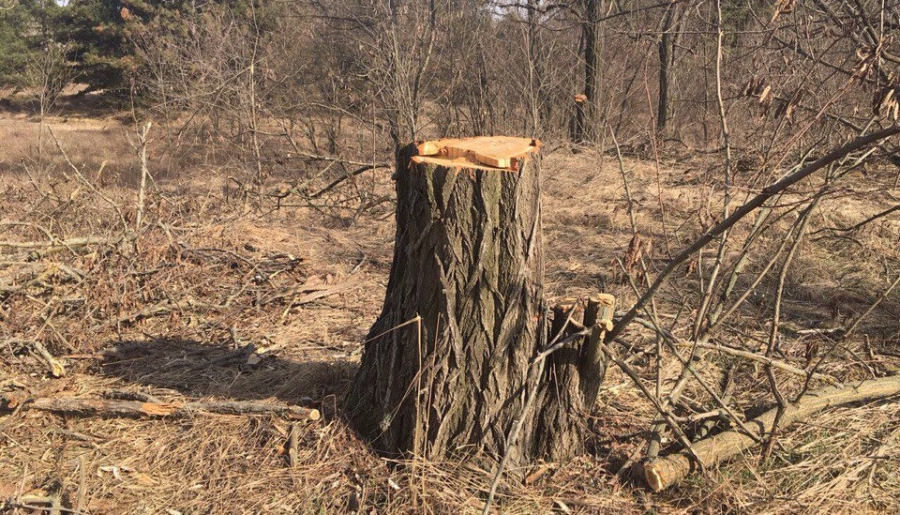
(783, 7)
(886, 102)
(638, 248)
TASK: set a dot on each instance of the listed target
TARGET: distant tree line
(330, 75)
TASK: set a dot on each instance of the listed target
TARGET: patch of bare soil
(211, 300)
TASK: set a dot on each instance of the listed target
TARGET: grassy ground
(209, 301)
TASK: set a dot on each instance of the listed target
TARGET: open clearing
(212, 301)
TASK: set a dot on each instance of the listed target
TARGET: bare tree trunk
(538, 104)
(666, 59)
(586, 110)
(450, 363)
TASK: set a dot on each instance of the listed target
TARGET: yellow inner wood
(504, 153)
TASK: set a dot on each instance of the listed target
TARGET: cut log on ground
(664, 472)
(126, 408)
(449, 365)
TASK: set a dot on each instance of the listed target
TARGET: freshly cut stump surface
(501, 152)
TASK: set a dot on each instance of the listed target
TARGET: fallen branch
(167, 307)
(293, 445)
(64, 244)
(322, 157)
(343, 178)
(738, 353)
(305, 294)
(126, 408)
(54, 366)
(40, 274)
(864, 222)
(752, 356)
(33, 502)
(664, 472)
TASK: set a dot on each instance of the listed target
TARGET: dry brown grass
(91, 306)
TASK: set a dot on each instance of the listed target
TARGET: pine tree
(15, 20)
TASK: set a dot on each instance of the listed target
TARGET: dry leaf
(56, 369)
(115, 471)
(561, 506)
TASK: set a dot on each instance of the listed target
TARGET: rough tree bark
(448, 365)
(586, 108)
(666, 47)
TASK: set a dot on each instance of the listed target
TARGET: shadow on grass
(79, 105)
(197, 369)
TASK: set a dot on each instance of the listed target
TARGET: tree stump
(449, 365)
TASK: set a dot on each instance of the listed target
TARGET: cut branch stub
(447, 367)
